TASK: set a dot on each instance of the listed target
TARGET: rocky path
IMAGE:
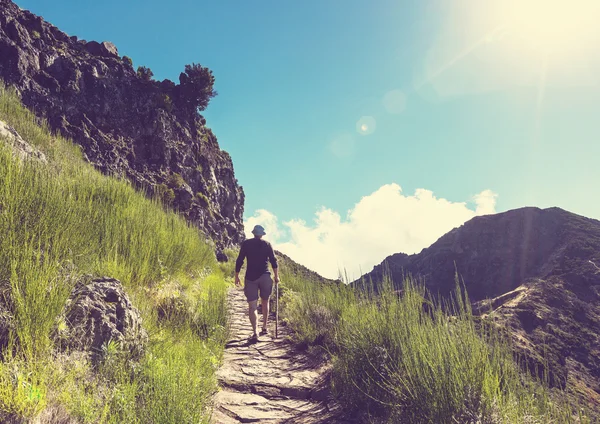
(269, 381)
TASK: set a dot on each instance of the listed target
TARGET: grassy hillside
(62, 220)
(405, 357)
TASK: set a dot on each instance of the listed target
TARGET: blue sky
(456, 101)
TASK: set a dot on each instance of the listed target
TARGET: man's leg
(266, 287)
(253, 314)
(265, 311)
(251, 292)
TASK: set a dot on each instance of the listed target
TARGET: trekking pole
(276, 310)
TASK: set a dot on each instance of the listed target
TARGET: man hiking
(258, 278)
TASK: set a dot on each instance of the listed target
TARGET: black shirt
(259, 253)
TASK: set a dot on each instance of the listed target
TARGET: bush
(196, 87)
(175, 181)
(202, 199)
(165, 194)
(128, 61)
(144, 73)
(167, 103)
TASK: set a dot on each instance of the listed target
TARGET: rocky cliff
(126, 123)
(539, 271)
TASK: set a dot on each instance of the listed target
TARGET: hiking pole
(276, 309)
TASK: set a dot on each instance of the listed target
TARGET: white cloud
(267, 220)
(380, 224)
(486, 202)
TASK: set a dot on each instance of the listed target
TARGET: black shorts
(264, 284)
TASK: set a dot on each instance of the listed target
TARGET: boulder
(99, 311)
(104, 49)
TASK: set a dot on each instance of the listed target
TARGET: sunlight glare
(552, 25)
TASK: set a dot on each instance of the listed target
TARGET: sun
(552, 25)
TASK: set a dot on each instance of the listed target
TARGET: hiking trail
(269, 381)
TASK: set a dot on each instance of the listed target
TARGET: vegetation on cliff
(64, 219)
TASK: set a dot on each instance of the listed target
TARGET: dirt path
(268, 382)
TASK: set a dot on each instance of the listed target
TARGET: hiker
(258, 278)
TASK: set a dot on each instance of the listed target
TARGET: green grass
(407, 358)
(64, 219)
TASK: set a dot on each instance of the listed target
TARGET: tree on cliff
(196, 87)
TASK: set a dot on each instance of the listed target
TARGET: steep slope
(538, 269)
(126, 123)
(139, 345)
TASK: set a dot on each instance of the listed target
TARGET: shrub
(167, 103)
(128, 61)
(144, 73)
(36, 35)
(202, 199)
(196, 87)
(175, 180)
(165, 194)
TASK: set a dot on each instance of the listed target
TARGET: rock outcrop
(538, 270)
(127, 123)
(98, 312)
(20, 147)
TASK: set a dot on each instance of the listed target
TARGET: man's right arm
(239, 262)
(274, 264)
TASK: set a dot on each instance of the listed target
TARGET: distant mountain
(126, 122)
(289, 265)
(495, 253)
(539, 270)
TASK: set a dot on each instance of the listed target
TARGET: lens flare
(366, 125)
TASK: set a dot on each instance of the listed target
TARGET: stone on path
(269, 381)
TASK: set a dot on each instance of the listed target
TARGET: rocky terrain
(538, 270)
(126, 123)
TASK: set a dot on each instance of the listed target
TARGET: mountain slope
(126, 123)
(79, 347)
(495, 253)
(537, 269)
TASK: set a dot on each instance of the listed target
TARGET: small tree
(145, 73)
(196, 87)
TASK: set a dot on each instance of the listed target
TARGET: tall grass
(404, 357)
(64, 219)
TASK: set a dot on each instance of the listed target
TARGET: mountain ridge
(532, 228)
